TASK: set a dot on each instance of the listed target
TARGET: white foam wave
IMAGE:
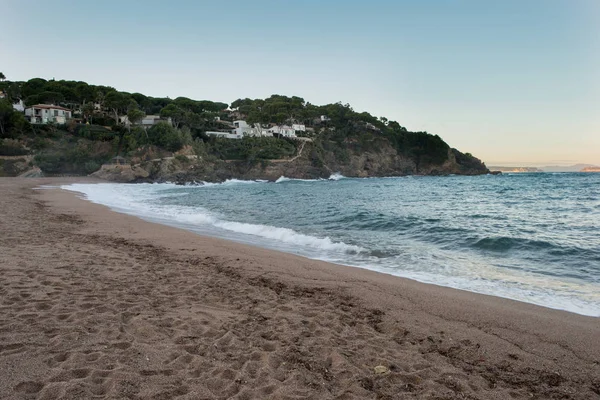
(286, 179)
(336, 177)
(289, 236)
(229, 182)
(138, 200)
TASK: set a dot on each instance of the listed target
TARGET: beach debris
(381, 369)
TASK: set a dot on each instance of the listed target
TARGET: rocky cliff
(305, 165)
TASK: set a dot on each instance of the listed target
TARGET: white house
(124, 120)
(147, 122)
(18, 106)
(45, 113)
(224, 135)
(150, 120)
(299, 127)
(283, 130)
(372, 127)
(243, 129)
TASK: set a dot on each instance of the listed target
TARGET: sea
(532, 237)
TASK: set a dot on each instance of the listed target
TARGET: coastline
(185, 315)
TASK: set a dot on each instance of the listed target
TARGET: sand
(96, 304)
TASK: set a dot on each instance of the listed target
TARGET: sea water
(529, 237)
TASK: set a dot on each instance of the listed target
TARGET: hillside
(591, 169)
(107, 122)
(567, 168)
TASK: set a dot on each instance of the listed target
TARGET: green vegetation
(60, 152)
(343, 130)
(252, 149)
(12, 123)
(107, 122)
(10, 147)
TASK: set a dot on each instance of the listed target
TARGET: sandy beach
(97, 304)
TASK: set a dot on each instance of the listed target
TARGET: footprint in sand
(29, 387)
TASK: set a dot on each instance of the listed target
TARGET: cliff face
(307, 165)
(14, 165)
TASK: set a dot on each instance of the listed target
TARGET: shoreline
(231, 320)
(529, 295)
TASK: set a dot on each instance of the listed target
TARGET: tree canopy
(333, 126)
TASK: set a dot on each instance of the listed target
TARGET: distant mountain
(571, 168)
(591, 169)
(515, 169)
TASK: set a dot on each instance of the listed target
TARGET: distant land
(571, 168)
(591, 169)
(515, 169)
(549, 168)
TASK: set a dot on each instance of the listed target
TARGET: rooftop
(49, 106)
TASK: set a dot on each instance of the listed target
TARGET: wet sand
(96, 304)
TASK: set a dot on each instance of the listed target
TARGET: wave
(197, 217)
(333, 177)
(503, 244)
(282, 179)
(289, 236)
(336, 177)
(228, 182)
(537, 249)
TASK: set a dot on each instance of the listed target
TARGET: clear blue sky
(510, 81)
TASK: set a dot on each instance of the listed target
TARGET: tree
(6, 111)
(118, 102)
(165, 135)
(176, 114)
(13, 92)
(85, 93)
(2, 76)
(34, 86)
(11, 121)
(88, 111)
(134, 115)
(51, 97)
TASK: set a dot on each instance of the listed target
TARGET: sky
(512, 82)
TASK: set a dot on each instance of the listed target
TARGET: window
(56, 113)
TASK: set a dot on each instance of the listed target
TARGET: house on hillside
(150, 120)
(372, 127)
(299, 127)
(47, 113)
(283, 130)
(124, 120)
(236, 115)
(242, 129)
(18, 106)
(147, 122)
(224, 135)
